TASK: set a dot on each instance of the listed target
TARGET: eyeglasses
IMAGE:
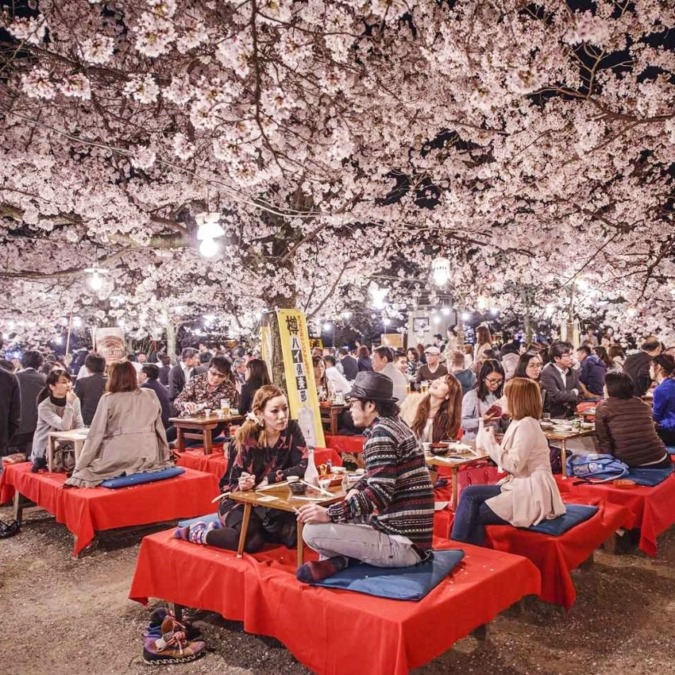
(215, 373)
(492, 381)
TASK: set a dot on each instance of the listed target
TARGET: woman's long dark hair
(488, 367)
(601, 353)
(258, 375)
(524, 362)
(448, 419)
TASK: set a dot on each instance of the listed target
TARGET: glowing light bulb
(445, 311)
(327, 326)
(208, 248)
(96, 282)
(465, 316)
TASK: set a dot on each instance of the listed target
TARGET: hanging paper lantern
(440, 268)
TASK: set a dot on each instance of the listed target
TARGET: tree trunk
(275, 359)
(171, 332)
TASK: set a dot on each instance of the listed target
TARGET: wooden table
(330, 417)
(283, 500)
(199, 428)
(563, 437)
(76, 436)
(454, 464)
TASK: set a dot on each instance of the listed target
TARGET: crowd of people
(399, 400)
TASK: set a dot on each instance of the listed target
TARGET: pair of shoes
(172, 645)
(39, 464)
(9, 529)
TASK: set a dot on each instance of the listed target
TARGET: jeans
(361, 542)
(473, 513)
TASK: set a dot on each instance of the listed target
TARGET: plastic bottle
(306, 424)
(311, 473)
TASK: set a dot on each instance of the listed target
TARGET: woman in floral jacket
(267, 449)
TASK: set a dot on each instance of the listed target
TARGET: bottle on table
(311, 472)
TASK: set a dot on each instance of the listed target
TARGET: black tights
(227, 536)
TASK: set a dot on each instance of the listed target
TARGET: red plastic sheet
(652, 508)
(84, 511)
(556, 557)
(333, 631)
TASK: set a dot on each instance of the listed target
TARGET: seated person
(256, 377)
(90, 389)
(436, 415)
(148, 378)
(386, 519)
(561, 381)
(466, 376)
(266, 449)
(529, 366)
(58, 410)
(207, 389)
(335, 377)
(624, 426)
(529, 493)
(484, 396)
(324, 387)
(591, 373)
(126, 435)
(663, 409)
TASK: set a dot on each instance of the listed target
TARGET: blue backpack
(596, 467)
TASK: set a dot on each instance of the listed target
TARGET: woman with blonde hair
(529, 493)
(436, 415)
(126, 435)
(267, 449)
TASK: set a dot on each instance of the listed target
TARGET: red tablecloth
(194, 458)
(652, 508)
(352, 444)
(556, 557)
(378, 636)
(216, 462)
(84, 511)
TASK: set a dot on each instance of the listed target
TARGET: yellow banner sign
(300, 384)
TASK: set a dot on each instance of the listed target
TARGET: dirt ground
(58, 615)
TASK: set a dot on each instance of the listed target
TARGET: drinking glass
(546, 417)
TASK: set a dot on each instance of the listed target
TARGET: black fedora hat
(372, 387)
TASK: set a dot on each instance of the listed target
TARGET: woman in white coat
(529, 493)
(126, 435)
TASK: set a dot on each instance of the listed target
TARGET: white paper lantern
(440, 268)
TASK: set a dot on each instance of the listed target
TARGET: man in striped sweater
(386, 519)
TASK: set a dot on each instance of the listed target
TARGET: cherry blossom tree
(340, 141)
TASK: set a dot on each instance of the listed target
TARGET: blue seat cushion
(575, 514)
(670, 449)
(140, 478)
(396, 583)
(647, 476)
(208, 518)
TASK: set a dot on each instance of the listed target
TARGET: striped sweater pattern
(396, 491)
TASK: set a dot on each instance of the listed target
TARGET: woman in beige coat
(126, 436)
(529, 493)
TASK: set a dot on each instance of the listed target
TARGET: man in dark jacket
(592, 372)
(151, 374)
(560, 381)
(637, 365)
(31, 383)
(182, 372)
(90, 389)
(350, 366)
(164, 369)
(10, 409)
